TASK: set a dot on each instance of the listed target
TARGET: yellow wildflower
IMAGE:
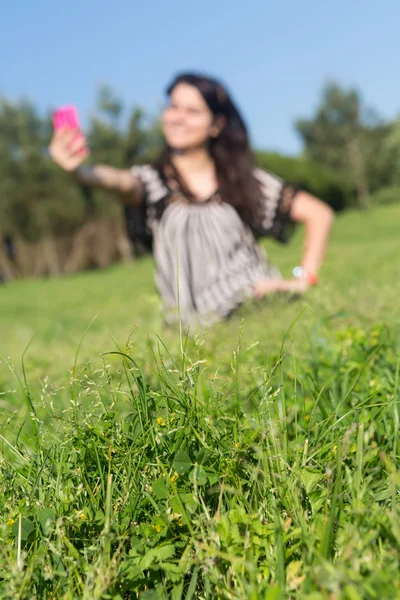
(157, 528)
(161, 422)
(10, 522)
(287, 524)
(237, 444)
(174, 477)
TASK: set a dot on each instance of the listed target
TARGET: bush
(386, 195)
(309, 176)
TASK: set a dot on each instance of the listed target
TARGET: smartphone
(67, 116)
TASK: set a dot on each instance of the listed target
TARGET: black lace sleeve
(141, 219)
(277, 199)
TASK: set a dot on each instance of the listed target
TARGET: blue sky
(275, 56)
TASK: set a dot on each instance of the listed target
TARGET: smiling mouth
(178, 131)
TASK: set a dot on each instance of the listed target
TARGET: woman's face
(187, 121)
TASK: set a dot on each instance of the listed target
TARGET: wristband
(300, 273)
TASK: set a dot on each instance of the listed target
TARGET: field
(256, 460)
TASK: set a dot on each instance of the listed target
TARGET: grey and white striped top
(207, 258)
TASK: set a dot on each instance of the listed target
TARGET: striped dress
(207, 258)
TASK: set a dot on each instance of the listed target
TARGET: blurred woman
(205, 205)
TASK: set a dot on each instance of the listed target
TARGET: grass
(256, 460)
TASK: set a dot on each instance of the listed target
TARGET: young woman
(205, 205)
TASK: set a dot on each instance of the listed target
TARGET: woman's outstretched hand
(68, 148)
(266, 287)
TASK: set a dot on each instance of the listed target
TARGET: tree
(41, 207)
(390, 153)
(36, 198)
(337, 136)
(307, 174)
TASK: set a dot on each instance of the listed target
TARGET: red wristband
(312, 278)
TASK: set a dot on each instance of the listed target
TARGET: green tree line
(350, 158)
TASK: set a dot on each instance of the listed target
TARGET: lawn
(258, 459)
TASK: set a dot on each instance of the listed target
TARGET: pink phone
(67, 116)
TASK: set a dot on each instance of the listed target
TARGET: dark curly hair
(230, 150)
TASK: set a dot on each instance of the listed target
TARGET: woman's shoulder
(270, 183)
(146, 172)
(154, 185)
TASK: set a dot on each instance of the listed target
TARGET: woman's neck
(195, 160)
(196, 169)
